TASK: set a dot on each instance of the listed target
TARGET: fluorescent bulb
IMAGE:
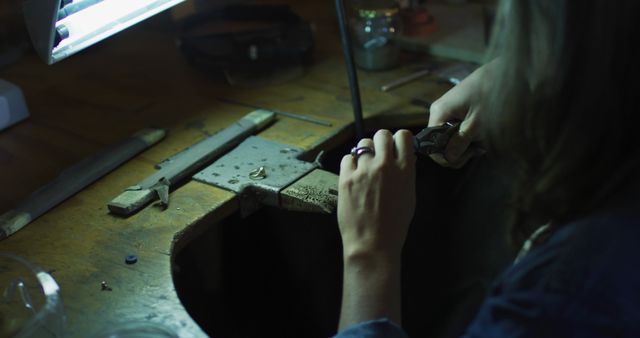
(102, 19)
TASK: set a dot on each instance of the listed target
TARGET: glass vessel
(30, 303)
(375, 25)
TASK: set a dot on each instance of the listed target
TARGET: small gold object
(258, 174)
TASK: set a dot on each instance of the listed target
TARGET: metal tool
(257, 170)
(352, 75)
(290, 115)
(186, 163)
(404, 80)
(432, 140)
(75, 179)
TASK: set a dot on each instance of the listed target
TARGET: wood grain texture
(138, 79)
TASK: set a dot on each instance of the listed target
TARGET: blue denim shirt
(584, 281)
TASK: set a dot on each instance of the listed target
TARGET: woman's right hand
(461, 103)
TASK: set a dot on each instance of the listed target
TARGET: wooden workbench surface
(138, 79)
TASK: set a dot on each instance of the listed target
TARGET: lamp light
(60, 28)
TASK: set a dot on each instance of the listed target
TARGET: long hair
(562, 108)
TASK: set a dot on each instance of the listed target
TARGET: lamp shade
(61, 28)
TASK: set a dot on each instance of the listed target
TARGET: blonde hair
(562, 108)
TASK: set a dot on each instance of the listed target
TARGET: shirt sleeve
(379, 328)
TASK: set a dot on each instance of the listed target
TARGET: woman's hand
(376, 201)
(376, 198)
(462, 103)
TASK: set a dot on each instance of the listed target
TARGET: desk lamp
(60, 28)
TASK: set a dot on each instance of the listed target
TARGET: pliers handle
(433, 140)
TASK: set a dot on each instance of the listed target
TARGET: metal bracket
(258, 170)
(185, 163)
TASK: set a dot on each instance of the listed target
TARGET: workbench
(137, 79)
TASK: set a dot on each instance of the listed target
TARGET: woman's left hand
(376, 198)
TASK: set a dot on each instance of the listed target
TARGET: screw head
(131, 259)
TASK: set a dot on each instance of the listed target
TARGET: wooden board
(137, 79)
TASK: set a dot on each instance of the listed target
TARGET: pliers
(433, 140)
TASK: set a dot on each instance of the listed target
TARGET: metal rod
(351, 69)
(303, 118)
(278, 112)
(404, 80)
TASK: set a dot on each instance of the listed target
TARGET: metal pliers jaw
(433, 140)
